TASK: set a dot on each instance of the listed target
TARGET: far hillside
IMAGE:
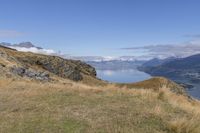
(180, 69)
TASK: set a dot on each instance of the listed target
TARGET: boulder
(24, 72)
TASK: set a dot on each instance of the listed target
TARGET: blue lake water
(122, 76)
(133, 75)
(195, 91)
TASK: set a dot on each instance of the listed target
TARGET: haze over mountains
(178, 69)
(101, 62)
(30, 47)
(172, 67)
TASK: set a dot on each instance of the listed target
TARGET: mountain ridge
(45, 67)
(20, 62)
(182, 69)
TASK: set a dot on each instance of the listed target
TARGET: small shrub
(161, 95)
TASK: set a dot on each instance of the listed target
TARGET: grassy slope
(65, 106)
(28, 106)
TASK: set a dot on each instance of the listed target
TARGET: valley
(36, 97)
(99, 66)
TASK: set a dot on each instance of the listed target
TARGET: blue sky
(99, 27)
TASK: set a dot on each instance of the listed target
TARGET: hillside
(156, 62)
(181, 69)
(37, 66)
(48, 94)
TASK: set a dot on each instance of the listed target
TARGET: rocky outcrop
(70, 69)
(30, 73)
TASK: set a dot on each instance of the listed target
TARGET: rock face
(30, 73)
(38, 66)
(70, 69)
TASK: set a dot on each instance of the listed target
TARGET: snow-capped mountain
(30, 47)
(103, 58)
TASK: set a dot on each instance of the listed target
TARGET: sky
(103, 27)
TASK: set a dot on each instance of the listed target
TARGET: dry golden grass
(156, 105)
(65, 106)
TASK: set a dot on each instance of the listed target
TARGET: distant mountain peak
(22, 44)
(28, 47)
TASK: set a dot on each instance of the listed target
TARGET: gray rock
(75, 75)
(18, 70)
(44, 74)
(61, 68)
(31, 74)
(24, 72)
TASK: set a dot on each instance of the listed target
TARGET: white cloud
(167, 50)
(35, 50)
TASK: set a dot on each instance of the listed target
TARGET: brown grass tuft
(66, 106)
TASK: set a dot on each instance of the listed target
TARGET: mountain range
(156, 62)
(183, 69)
(174, 68)
(45, 93)
(116, 64)
(22, 44)
(47, 68)
(30, 47)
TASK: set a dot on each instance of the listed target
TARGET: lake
(122, 76)
(195, 91)
(133, 75)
